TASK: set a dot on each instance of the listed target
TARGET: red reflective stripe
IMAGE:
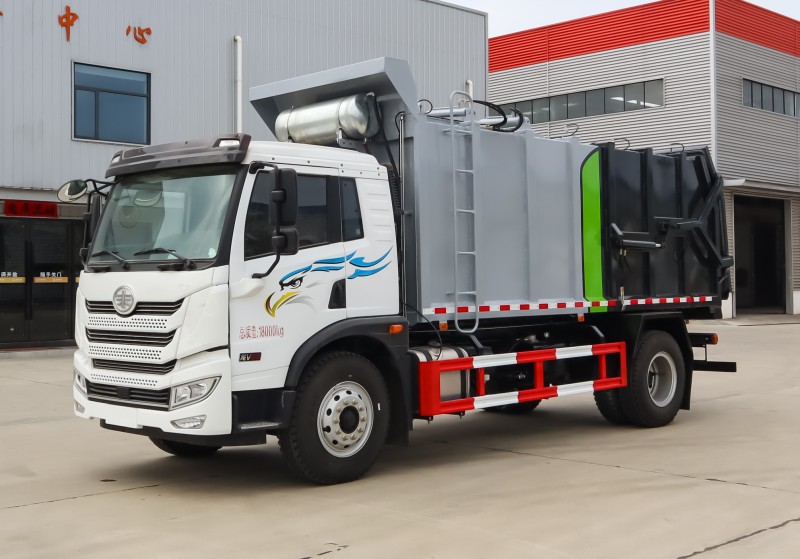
(505, 307)
(536, 355)
(690, 299)
(440, 310)
(561, 305)
(543, 306)
(612, 303)
(537, 393)
(463, 309)
(484, 308)
(578, 304)
(664, 300)
(525, 307)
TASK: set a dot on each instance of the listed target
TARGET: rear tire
(610, 407)
(655, 382)
(340, 419)
(184, 450)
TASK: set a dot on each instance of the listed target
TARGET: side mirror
(72, 190)
(287, 242)
(285, 197)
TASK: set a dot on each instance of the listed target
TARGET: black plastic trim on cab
(179, 154)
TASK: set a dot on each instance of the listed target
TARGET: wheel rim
(345, 419)
(662, 379)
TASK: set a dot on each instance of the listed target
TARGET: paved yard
(722, 481)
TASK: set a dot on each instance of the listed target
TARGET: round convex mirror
(72, 190)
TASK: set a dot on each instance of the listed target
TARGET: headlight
(192, 392)
(80, 382)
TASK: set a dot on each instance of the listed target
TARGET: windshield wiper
(125, 264)
(159, 250)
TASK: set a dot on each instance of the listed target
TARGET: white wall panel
(190, 58)
(754, 144)
(683, 64)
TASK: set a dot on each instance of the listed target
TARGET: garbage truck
(387, 261)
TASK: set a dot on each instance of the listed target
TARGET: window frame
(96, 91)
(334, 214)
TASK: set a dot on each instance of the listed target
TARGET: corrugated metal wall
(752, 143)
(190, 57)
(655, 21)
(682, 63)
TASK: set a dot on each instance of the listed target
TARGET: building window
(628, 97)
(634, 96)
(595, 104)
(558, 107)
(111, 105)
(654, 93)
(576, 105)
(541, 111)
(768, 98)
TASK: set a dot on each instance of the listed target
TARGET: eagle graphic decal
(294, 283)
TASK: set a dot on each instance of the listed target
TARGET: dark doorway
(39, 269)
(760, 257)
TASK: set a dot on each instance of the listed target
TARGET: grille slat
(158, 399)
(144, 307)
(134, 367)
(129, 338)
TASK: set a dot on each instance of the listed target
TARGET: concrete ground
(722, 481)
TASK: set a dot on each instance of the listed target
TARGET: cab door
(271, 317)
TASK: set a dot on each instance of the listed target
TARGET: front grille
(129, 338)
(163, 309)
(133, 367)
(124, 395)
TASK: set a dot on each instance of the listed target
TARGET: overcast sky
(508, 16)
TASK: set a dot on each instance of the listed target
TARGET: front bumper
(216, 408)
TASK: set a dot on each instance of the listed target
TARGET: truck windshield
(166, 215)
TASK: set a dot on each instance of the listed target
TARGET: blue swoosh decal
(358, 273)
(360, 263)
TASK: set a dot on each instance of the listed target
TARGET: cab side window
(317, 214)
(259, 224)
(312, 211)
(352, 227)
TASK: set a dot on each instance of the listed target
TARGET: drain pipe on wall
(237, 84)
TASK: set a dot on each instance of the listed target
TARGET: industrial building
(677, 73)
(83, 79)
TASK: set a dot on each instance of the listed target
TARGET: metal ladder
(464, 232)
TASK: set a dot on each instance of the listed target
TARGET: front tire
(656, 381)
(340, 419)
(184, 450)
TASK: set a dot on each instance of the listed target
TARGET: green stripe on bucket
(592, 241)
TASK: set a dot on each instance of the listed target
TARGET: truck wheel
(610, 407)
(655, 381)
(340, 419)
(184, 450)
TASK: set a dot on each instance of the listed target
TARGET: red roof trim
(758, 25)
(656, 21)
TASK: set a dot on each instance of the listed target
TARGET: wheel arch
(631, 327)
(370, 338)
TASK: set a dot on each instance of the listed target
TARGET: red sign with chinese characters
(27, 208)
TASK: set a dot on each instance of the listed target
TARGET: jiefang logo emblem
(124, 301)
(292, 282)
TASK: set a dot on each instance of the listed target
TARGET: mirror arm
(277, 233)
